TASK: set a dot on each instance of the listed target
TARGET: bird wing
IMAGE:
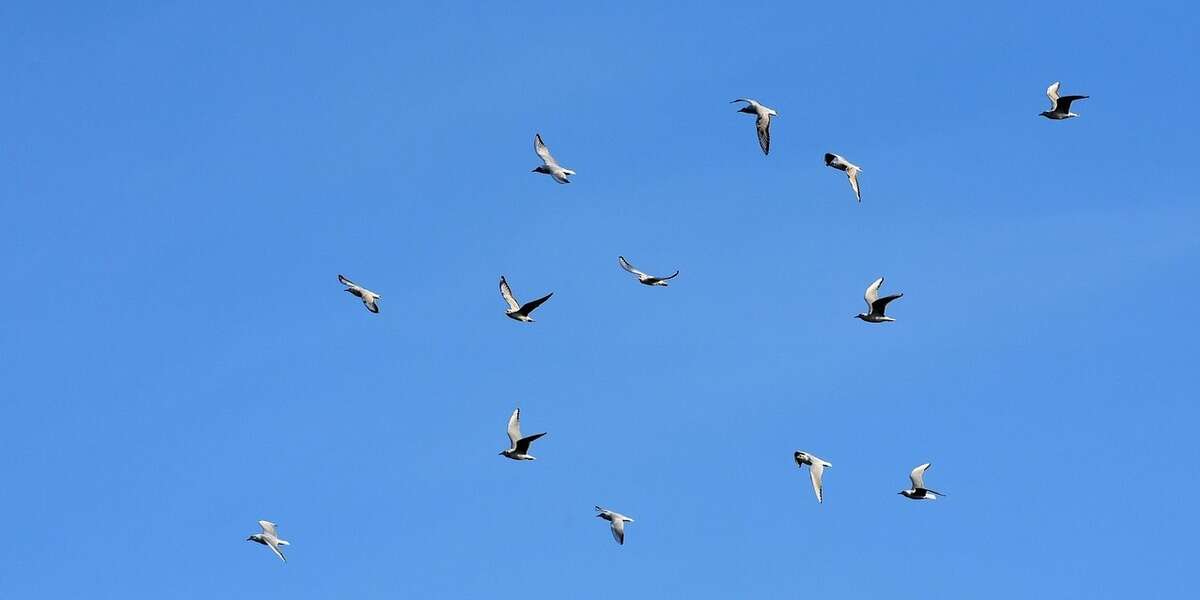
(1052, 94)
(873, 293)
(346, 282)
(268, 528)
(514, 427)
(763, 124)
(918, 476)
(618, 530)
(506, 292)
(369, 302)
(880, 305)
(1064, 103)
(529, 307)
(523, 443)
(543, 151)
(275, 548)
(746, 100)
(671, 276)
(815, 470)
(628, 267)
(852, 173)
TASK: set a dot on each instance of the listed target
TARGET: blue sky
(182, 181)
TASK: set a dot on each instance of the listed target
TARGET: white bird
(1060, 106)
(519, 446)
(876, 305)
(919, 491)
(269, 538)
(762, 123)
(642, 277)
(516, 310)
(618, 521)
(369, 299)
(550, 166)
(816, 467)
(852, 170)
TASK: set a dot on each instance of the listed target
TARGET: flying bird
(1060, 106)
(369, 299)
(876, 305)
(816, 467)
(618, 521)
(919, 491)
(519, 446)
(516, 310)
(762, 122)
(550, 166)
(269, 538)
(642, 277)
(852, 170)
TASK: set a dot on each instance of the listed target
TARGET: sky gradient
(181, 182)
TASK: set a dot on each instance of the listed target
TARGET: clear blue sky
(182, 181)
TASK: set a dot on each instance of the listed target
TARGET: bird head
(862, 316)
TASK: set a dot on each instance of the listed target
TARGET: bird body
(617, 521)
(643, 278)
(876, 305)
(816, 468)
(549, 165)
(1060, 106)
(852, 170)
(762, 121)
(515, 310)
(369, 299)
(918, 490)
(518, 448)
(269, 537)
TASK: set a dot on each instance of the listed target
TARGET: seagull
(816, 467)
(852, 170)
(269, 538)
(1060, 106)
(519, 312)
(519, 446)
(919, 491)
(642, 277)
(762, 123)
(369, 298)
(618, 523)
(875, 304)
(550, 166)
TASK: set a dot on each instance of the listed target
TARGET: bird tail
(283, 542)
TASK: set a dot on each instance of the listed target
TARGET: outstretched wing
(506, 292)
(763, 124)
(872, 293)
(346, 282)
(1052, 94)
(268, 528)
(514, 427)
(815, 470)
(853, 172)
(1064, 103)
(880, 305)
(671, 276)
(529, 307)
(542, 150)
(618, 530)
(275, 548)
(918, 476)
(522, 444)
(628, 267)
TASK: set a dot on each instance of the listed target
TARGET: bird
(519, 446)
(1060, 106)
(618, 521)
(762, 123)
(643, 278)
(919, 491)
(816, 467)
(852, 170)
(550, 166)
(369, 299)
(269, 538)
(516, 311)
(875, 304)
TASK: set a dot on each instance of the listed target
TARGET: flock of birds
(519, 445)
